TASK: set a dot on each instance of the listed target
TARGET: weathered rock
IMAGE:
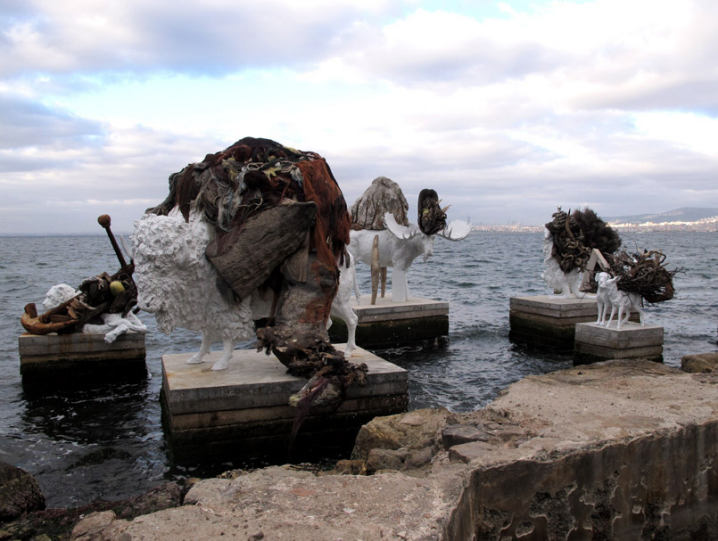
(90, 528)
(349, 467)
(19, 493)
(59, 524)
(411, 431)
(699, 363)
(615, 450)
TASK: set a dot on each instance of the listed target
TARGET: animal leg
(399, 287)
(621, 319)
(343, 310)
(227, 351)
(198, 357)
(601, 312)
(375, 269)
(383, 281)
(613, 311)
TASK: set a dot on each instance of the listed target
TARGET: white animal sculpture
(563, 284)
(341, 306)
(623, 302)
(603, 303)
(177, 283)
(113, 324)
(399, 246)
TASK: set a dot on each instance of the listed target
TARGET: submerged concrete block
(389, 323)
(54, 358)
(244, 411)
(632, 341)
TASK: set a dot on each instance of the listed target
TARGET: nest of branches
(576, 234)
(643, 274)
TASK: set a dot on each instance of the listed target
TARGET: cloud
(604, 102)
(197, 37)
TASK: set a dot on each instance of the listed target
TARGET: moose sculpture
(382, 237)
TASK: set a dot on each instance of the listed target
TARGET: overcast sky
(508, 109)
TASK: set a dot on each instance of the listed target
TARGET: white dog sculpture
(620, 301)
(399, 246)
(603, 303)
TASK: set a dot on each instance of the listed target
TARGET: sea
(107, 441)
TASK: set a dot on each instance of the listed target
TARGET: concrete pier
(632, 341)
(243, 412)
(389, 323)
(549, 320)
(75, 357)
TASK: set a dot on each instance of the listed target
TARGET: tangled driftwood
(643, 274)
(576, 234)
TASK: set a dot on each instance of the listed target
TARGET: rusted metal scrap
(97, 295)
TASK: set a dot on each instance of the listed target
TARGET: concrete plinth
(632, 341)
(389, 323)
(243, 412)
(78, 357)
(549, 320)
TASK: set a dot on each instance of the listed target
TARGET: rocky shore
(614, 450)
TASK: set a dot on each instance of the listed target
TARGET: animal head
(602, 278)
(162, 247)
(58, 294)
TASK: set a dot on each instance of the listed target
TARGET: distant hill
(678, 215)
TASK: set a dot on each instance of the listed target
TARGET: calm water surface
(107, 441)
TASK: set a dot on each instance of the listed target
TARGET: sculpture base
(632, 341)
(243, 412)
(388, 323)
(548, 320)
(53, 359)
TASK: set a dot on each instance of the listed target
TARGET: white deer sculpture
(622, 302)
(399, 246)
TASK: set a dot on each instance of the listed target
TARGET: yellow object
(116, 288)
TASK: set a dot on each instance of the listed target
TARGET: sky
(507, 109)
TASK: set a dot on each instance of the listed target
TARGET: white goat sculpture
(399, 246)
(620, 301)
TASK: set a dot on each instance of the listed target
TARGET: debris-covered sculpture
(569, 242)
(255, 221)
(382, 236)
(102, 304)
